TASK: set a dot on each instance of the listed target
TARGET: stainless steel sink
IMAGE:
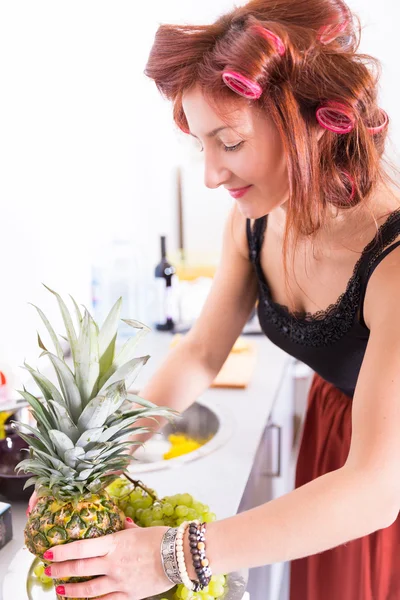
(202, 420)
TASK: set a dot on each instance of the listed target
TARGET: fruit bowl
(12, 451)
(202, 420)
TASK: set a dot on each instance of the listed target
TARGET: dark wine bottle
(164, 274)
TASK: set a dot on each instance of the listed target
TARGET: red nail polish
(128, 519)
(48, 555)
(27, 512)
(47, 571)
(60, 589)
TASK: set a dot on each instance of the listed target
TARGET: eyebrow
(212, 133)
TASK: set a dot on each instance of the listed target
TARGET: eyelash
(229, 148)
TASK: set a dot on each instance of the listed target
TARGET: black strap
(255, 236)
(366, 274)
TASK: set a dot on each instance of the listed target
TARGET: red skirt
(364, 569)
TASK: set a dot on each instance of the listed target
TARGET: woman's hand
(128, 564)
(32, 503)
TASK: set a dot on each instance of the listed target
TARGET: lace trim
(325, 326)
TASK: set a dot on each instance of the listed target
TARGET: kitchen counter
(217, 479)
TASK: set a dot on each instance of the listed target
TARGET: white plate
(20, 584)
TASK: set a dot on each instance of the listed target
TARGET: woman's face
(247, 153)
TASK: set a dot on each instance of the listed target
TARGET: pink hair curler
(382, 125)
(242, 85)
(335, 117)
(271, 37)
(328, 33)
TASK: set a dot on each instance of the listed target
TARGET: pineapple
(82, 429)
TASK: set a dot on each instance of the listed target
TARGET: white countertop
(218, 479)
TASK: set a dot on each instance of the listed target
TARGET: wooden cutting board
(237, 370)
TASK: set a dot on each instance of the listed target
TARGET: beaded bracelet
(197, 538)
(187, 582)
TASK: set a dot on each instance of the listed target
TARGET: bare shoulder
(382, 297)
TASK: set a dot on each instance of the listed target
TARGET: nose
(215, 172)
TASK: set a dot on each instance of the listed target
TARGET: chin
(251, 211)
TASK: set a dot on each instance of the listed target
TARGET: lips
(239, 192)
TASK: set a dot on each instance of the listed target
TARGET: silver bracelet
(168, 555)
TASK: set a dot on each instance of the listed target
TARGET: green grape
(206, 596)
(186, 499)
(206, 508)
(129, 512)
(198, 507)
(181, 511)
(205, 590)
(157, 523)
(147, 501)
(39, 569)
(185, 594)
(169, 522)
(180, 521)
(147, 512)
(191, 514)
(219, 578)
(139, 512)
(168, 509)
(44, 579)
(209, 517)
(216, 589)
(147, 521)
(157, 512)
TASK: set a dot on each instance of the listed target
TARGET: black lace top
(331, 341)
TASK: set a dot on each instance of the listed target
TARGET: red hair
(313, 70)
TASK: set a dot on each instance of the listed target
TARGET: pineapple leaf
(40, 412)
(72, 456)
(127, 351)
(61, 442)
(40, 343)
(68, 386)
(96, 412)
(108, 337)
(52, 333)
(127, 372)
(90, 436)
(110, 431)
(48, 389)
(77, 311)
(29, 482)
(37, 435)
(65, 423)
(69, 326)
(87, 359)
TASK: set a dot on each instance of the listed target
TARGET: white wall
(87, 146)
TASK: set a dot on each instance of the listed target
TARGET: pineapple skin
(52, 522)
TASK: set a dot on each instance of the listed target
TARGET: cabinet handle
(276, 473)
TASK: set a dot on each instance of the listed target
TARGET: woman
(286, 113)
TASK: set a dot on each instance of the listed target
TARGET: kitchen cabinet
(273, 471)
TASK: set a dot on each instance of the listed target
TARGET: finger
(129, 524)
(87, 589)
(32, 502)
(116, 596)
(77, 568)
(80, 549)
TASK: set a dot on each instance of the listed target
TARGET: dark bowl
(12, 451)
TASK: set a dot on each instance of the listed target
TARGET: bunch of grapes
(146, 510)
(141, 504)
